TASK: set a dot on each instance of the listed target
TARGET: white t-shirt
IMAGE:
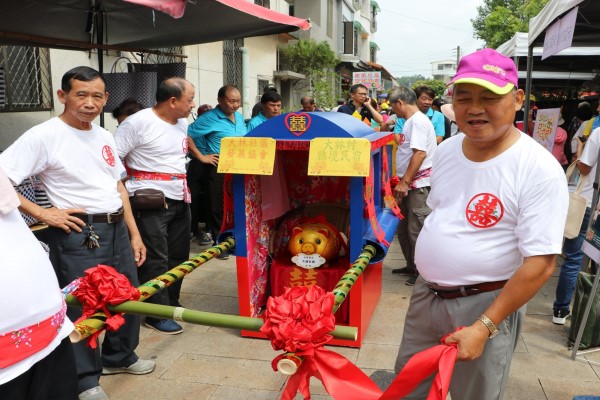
(487, 216)
(418, 133)
(589, 157)
(149, 144)
(35, 296)
(79, 169)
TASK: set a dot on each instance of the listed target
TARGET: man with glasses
(361, 104)
(204, 140)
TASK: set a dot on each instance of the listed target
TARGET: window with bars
(232, 62)
(25, 81)
(163, 58)
(264, 3)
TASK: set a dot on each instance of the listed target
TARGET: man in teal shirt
(271, 107)
(206, 134)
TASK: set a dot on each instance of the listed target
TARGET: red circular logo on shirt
(484, 210)
(401, 139)
(108, 155)
(185, 145)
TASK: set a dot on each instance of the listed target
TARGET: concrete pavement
(206, 363)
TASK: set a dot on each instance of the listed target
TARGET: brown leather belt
(454, 292)
(108, 218)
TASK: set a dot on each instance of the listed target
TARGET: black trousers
(166, 235)
(51, 378)
(214, 183)
(196, 184)
(70, 260)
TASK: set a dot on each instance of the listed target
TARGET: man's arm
(376, 116)
(139, 250)
(401, 189)
(519, 289)
(212, 159)
(55, 217)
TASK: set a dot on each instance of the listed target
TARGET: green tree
(498, 20)
(438, 87)
(316, 61)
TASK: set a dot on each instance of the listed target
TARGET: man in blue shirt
(205, 145)
(425, 96)
(271, 107)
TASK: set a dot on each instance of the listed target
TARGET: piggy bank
(313, 244)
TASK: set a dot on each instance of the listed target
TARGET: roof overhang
(71, 23)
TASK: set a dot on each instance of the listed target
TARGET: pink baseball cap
(489, 69)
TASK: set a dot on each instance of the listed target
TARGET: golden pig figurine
(311, 240)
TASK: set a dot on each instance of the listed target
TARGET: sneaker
(140, 367)
(560, 316)
(402, 271)
(95, 393)
(411, 280)
(204, 238)
(166, 326)
(223, 256)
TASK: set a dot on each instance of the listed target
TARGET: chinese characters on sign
(303, 277)
(368, 78)
(339, 157)
(559, 35)
(241, 155)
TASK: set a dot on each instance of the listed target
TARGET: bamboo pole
(198, 317)
(96, 322)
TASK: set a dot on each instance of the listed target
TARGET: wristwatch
(490, 325)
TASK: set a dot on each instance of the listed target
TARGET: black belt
(454, 292)
(107, 218)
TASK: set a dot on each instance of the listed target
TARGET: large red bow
(100, 286)
(299, 321)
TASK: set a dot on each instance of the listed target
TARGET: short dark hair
(438, 102)
(127, 107)
(269, 87)
(419, 90)
(222, 93)
(341, 102)
(307, 100)
(171, 87)
(355, 87)
(84, 74)
(270, 96)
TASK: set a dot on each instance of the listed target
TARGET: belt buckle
(109, 219)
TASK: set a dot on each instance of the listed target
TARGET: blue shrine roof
(305, 126)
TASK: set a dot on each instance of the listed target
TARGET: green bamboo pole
(201, 317)
(289, 364)
(96, 322)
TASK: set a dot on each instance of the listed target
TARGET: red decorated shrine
(265, 209)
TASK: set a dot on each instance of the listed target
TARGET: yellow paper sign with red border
(339, 157)
(246, 155)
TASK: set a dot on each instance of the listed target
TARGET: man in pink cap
(499, 204)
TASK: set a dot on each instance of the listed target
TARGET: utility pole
(457, 55)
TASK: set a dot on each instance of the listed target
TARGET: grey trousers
(429, 318)
(415, 209)
(70, 260)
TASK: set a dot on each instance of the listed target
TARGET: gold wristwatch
(490, 325)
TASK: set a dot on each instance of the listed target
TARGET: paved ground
(205, 363)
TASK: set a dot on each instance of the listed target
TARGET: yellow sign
(244, 155)
(339, 157)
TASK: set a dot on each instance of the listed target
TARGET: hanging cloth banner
(388, 198)
(370, 201)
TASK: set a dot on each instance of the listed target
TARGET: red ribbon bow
(299, 321)
(100, 286)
